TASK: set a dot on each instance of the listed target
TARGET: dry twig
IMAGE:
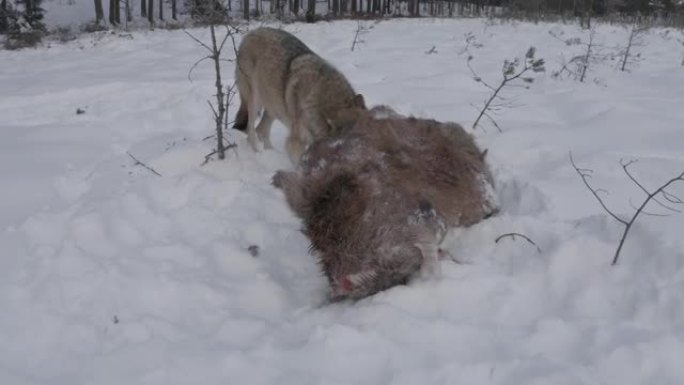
(585, 174)
(139, 163)
(523, 236)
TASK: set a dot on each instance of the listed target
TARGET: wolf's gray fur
(278, 72)
(376, 201)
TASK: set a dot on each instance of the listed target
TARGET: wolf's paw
(252, 140)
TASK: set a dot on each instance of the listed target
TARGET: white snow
(110, 274)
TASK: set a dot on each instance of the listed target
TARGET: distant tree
(174, 12)
(114, 17)
(99, 11)
(635, 40)
(245, 9)
(32, 14)
(143, 8)
(4, 16)
(311, 11)
(208, 11)
(129, 11)
(150, 11)
(161, 10)
(23, 23)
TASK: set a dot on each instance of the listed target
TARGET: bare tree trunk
(150, 11)
(143, 8)
(129, 11)
(336, 7)
(220, 149)
(99, 13)
(310, 11)
(117, 10)
(4, 20)
(295, 7)
(588, 11)
(161, 10)
(245, 9)
(112, 12)
(28, 7)
(174, 14)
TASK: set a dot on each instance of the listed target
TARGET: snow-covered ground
(110, 274)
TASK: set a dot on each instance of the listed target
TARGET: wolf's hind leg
(241, 117)
(263, 130)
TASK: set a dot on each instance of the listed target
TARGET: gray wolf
(279, 73)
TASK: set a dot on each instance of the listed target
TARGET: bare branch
(493, 121)
(198, 41)
(207, 157)
(431, 50)
(638, 210)
(523, 236)
(632, 205)
(477, 77)
(195, 65)
(139, 163)
(625, 167)
(216, 114)
(628, 226)
(223, 42)
(360, 29)
(672, 198)
(584, 174)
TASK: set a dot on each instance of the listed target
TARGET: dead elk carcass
(377, 200)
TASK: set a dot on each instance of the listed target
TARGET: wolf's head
(343, 119)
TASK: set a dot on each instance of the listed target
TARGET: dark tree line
(146, 11)
(20, 15)
(538, 9)
(22, 22)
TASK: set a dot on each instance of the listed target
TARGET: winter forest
(341, 192)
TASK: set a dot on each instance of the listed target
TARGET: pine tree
(33, 14)
(4, 16)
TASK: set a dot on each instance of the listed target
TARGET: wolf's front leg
(295, 147)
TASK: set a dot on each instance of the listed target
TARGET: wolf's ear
(359, 101)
